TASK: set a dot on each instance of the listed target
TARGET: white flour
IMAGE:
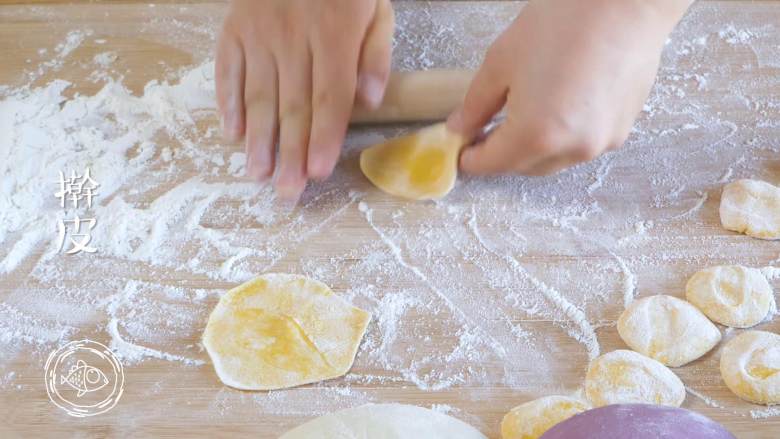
(461, 289)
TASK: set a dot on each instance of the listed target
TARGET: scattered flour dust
(470, 293)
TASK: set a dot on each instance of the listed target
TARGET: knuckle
(293, 110)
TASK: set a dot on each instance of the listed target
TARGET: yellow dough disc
(420, 166)
(626, 377)
(667, 329)
(750, 366)
(282, 330)
(532, 419)
(732, 295)
(751, 207)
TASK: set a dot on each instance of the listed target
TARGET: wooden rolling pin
(418, 96)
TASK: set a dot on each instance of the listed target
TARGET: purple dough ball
(638, 421)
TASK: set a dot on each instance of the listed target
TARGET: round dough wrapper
(385, 421)
(667, 329)
(420, 166)
(751, 207)
(638, 421)
(731, 295)
(532, 419)
(281, 330)
(750, 366)
(626, 377)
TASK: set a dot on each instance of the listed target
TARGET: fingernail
(319, 167)
(255, 170)
(372, 90)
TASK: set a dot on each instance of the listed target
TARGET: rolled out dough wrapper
(282, 330)
(638, 421)
(385, 421)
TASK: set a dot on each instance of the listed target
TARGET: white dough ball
(531, 419)
(626, 377)
(385, 421)
(731, 295)
(750, 366)
(751, 207)
(667, 329)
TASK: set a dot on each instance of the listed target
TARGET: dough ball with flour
(731, 295)
(385, 421)
(667, 329)
(532, 419)
(626, 377)
(751, 207)
(750, 366)
(282, 330)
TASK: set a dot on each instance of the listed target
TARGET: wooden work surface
(646, 215)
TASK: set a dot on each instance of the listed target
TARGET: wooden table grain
(165, 399)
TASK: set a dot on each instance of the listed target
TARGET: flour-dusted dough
(420, 166)
(731, 295)
(532, 419)
(626, 377)
(384, 421)
(751, 207)
(750, 366)
(282, 330)
(667, 329)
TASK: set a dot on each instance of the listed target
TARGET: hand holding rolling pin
(289, 71)
(571, 76)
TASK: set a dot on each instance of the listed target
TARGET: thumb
(375, 56)
(491, 156)
(484, 99)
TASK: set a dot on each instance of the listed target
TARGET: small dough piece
(532, 419)
(385, 421)
(626, 377)
(282, 330)
(750, 366)
(667, 329)
(419, 166)
(731, 295)
(751, 207)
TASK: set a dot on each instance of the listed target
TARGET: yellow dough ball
(626, 377)
(751, 207)
(282, 330)
(731, 295)
(667, 329)
(532, 419)
(750, 366)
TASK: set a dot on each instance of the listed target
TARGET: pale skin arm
(572, 76)
(289, 71)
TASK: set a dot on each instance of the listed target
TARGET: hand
(573, 76)
(292, 69)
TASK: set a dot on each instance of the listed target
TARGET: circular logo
(84, 378)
